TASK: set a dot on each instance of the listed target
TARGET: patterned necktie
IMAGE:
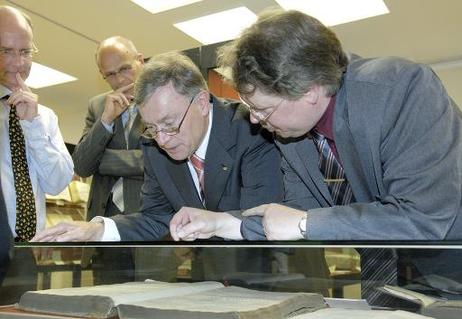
(26, 219)
(198, 164)
(118, 189)
(334, 176)
(378, 265)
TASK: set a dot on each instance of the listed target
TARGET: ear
(203, 101)
(313, 95)
(140, 58)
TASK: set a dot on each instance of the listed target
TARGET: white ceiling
(66, 33)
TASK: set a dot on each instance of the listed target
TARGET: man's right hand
(71, 231)
(116, 103)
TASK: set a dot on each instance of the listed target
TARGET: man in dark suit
(110, 150)
(184, 122)
(387, 125)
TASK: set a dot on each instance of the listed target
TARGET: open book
(154, 299)
(431, 306)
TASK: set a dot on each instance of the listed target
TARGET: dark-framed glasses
(152, 131)
(10, 53)
(258, 114)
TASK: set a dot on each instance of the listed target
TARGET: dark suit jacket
(5, 238)
(105, 156)
(242, 170)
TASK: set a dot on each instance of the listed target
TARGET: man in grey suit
(109, 149)
(388, 123)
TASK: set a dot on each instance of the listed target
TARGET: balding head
(118, 61)
(115, 44)
(15, 35)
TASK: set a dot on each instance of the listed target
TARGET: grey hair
(169, 67)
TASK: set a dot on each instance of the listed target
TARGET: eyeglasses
(258, 114)
(124, 70)
(151, 131)
(9, 53)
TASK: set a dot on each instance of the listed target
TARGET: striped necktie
(198, 164)
(26, 219)
(118, 188)
(378, 265)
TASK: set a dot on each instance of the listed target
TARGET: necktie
(118, 189)
(334, 175)
(26, 219)
(198, 164)
(378, 266)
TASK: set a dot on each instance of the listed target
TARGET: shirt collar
(4, 91)
(325, 126)
(202, 150)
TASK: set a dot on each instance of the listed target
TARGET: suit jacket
(241, 170)
(399, 138)
(105, 156)
(5, 238)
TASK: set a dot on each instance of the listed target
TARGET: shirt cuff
(110, 233)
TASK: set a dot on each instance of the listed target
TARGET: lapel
(119, 137)
(351, 143)
(218, 162)
(303, 157)
(183, 182)
(135, 132)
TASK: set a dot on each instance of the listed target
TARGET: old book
(101, 301)
(154, 299)
(430, 306)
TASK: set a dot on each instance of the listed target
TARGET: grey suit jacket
(399, 138)
(242, 170)
(105, 156)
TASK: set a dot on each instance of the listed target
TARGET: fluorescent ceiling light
(218, 27)
(333, 12)
(156, 6)
(41, 76)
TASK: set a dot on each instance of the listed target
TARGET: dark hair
(284, 53)
(165, 68)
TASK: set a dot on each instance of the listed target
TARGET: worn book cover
(154, 299)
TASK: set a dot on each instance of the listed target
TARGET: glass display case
(332, 270)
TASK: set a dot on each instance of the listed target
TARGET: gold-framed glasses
(152, 131)
(258, 114)
(10, 53)
(124, 70)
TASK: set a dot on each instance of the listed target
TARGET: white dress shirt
(50, 164)
(111, 233)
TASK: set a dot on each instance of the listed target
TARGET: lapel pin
(224, 167)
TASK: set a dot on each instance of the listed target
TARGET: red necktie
(198, 164)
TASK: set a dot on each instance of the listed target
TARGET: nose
(253, 119)
(162, 138)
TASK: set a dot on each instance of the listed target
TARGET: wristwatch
(302, 226)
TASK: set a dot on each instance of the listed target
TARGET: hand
(71, 231)
(192, 223)
(116, 103)
(279, 222)
(25, 101)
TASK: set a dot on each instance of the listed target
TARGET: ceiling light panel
(218, 27)
(42, 76)
(156, 6)
(334, 12)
